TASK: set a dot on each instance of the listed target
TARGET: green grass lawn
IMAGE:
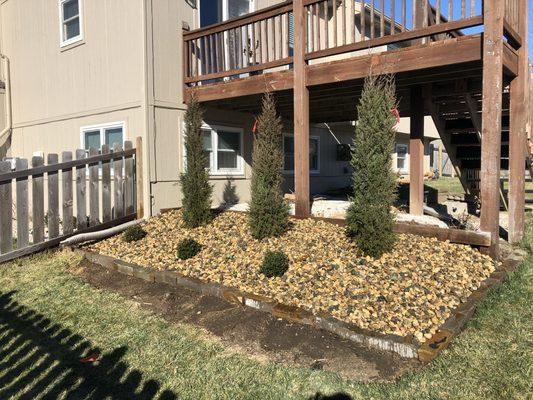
(49, 320)
(446, 184)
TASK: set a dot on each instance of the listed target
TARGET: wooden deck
(465, 67)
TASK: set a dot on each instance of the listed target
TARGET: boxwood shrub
(134, 233)
(188, 248)
(275, 263)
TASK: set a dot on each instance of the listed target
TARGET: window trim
(102, 128)
(311, 171)
(213, 160)
(406, 158)
(66, 42)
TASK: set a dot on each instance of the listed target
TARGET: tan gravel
(408, 291)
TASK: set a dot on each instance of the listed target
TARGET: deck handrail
(245, 19)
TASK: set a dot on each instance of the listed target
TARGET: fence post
(139, 176)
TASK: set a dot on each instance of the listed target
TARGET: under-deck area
(466, 67)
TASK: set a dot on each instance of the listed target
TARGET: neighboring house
(89, 72)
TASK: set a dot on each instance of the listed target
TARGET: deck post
(416, 152)
(518, 135)
(492, 121)
(301, 113)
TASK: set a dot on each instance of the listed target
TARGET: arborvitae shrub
(369, 221)
(188, 248)
(275, 263)
(195, 187)
(269, 212)
(134, 233)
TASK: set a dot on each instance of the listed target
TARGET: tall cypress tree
(369, 219)
(195, 187)
(269, 213)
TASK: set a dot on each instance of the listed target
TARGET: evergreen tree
(195, 187)
(369, 221)
(269, 213)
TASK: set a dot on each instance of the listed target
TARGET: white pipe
(85, 237)
(332, 134)
(9, 121)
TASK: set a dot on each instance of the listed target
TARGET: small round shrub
(275, 263)
(134, 233)
(188, 248)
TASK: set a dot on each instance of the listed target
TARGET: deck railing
(250, 43)
(264, 39)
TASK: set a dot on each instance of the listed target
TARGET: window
(288, 154)
(70, 18)
(401, 157)
(223, 148)
(96, 136)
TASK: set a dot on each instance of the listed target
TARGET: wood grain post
(301, 113)
(416, 153)
(139, 193)
(518, 134)
(6, 210)
(492, 121)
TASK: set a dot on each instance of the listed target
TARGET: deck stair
(459, 123)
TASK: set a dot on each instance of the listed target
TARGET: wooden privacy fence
(52, 202)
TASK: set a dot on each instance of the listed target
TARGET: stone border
(407, 347)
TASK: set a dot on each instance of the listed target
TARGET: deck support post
(492, 122)
(518, 135)
(416, 152)
(301, 114)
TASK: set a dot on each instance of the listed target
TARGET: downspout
(5, 133)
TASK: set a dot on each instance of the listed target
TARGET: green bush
(275, 263)
(188, 248)
(134, 233)
(269, 212)
(369, 220)
(195, 187)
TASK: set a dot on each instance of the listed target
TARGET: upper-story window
(70, 19)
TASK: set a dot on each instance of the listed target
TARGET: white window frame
(213, 160)
(406, 159)
(102, 128)
(66, 42)
(311, 171)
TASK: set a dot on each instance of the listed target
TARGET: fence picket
(94, 191)
(81, 189)
(128, 180)
(119, 182)
(68, 200)
(6, 211)
(23, 228)
(106, 187)
(53, 198)
(38, 202)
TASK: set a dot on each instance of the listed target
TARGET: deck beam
(518, 135)
(491, 122)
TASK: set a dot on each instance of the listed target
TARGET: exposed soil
(409, 291)
(256, 333)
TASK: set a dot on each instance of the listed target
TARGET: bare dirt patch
(254, 332)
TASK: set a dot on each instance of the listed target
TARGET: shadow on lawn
(38, 356)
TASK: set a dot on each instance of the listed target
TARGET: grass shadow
(41, 358)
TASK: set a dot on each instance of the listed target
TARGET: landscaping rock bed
(410, 291)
